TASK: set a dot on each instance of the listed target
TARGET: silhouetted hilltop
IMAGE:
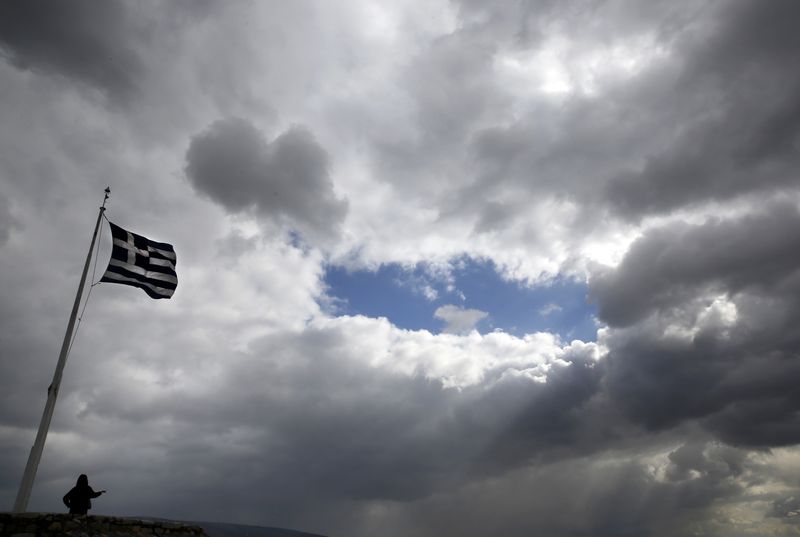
(64, 525)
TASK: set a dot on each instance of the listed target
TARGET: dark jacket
(79, 499)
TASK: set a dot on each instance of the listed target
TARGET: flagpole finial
(105, 199)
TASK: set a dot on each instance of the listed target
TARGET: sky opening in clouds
(409, 297)
(524, 267)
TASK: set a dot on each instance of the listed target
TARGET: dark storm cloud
(787, 509)
(747, 139)
(285, 179)
(675, 356)
(80, 39)
(752, 148)
(617, 497)
(732, 366)
(556, 419)
(670, 266)
(752, 55)
(694, 457)
(647, 143)
(752, 38)
(715, 118)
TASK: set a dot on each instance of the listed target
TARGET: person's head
(83, 481)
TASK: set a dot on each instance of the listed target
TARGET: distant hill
(221, 529)
(218, 529)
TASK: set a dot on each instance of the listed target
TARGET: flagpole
(24, 494)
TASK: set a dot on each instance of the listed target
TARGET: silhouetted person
(79, 498)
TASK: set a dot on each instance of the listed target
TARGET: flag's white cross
(133, 250)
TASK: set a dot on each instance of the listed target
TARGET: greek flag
(140, 262)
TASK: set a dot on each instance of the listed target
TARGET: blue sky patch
(411, 296)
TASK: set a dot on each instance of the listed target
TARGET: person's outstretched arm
(94, 494)
(66, 498)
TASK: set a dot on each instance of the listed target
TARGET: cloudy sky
(525, 267)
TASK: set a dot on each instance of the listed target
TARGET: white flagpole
(24, 494)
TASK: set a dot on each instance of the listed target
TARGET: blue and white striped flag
(140, 262)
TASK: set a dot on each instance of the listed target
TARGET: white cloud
(549, 309)
(459, 320)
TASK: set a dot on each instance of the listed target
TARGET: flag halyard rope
(89, 293)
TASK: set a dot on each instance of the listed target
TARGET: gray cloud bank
(7, 220)
(715, 119)
(80, 40)
(709, 311)
(286, 179)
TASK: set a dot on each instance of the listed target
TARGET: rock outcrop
(62, 525)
